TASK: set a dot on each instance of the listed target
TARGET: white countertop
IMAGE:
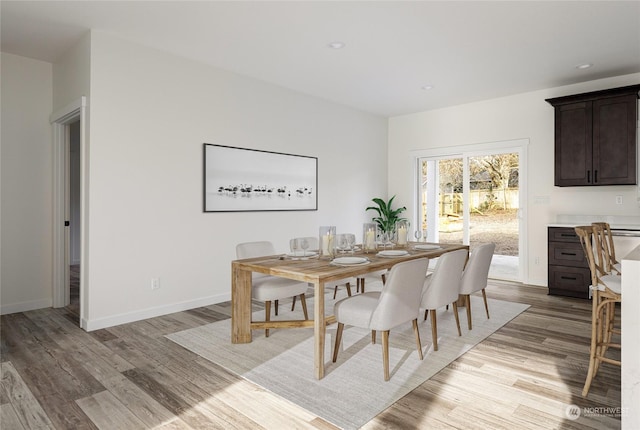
(616, 222)
(633, 227)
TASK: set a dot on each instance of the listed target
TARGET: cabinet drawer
(567, 254)
(563, 234)
(569, 280)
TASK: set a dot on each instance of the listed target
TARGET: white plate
(300, 254)
(427, 247)
(393, 253)
(350, 260)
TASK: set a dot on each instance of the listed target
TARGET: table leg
(319, 329)
(240, 305)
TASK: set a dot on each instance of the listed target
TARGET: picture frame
(242, 180)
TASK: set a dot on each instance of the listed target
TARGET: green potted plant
(387, 217)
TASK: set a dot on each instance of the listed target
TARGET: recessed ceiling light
(336, 45)
(427, 87)
(583, 66)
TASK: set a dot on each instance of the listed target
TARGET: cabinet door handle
(568, 277)
(588, 176)
(567, 235)
(595, 176)
(568, 253)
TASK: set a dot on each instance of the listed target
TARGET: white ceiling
(468, 51)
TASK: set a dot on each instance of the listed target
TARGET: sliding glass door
(473, 198)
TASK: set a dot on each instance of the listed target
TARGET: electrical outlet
(155, 283)
(537, 261)
(618, 200)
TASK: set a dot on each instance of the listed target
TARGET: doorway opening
(69, 282)
(73, 216)
(475, 196)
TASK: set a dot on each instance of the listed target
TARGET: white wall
(72, 74)
(520, 116)
(26, 173)
(151, 112)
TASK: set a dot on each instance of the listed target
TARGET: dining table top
(322, 268)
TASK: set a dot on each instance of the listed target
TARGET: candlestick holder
(369, 237)
(402, 232)
(327, 242)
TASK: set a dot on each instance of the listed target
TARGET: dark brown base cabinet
(568, 271)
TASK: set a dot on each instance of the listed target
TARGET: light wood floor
(55, 375)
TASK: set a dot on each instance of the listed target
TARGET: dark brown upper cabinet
(595, 138)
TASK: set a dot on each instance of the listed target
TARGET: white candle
(369, 242)
(327, 244)
(402, 235)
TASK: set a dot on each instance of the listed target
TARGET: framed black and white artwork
(239, 179)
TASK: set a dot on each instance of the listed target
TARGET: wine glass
(294, 246)
(418, 235)
(391, 238)
(342, 244)
(351, 240)
(305, 246)
(384, 238)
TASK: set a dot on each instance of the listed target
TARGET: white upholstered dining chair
(397, 303)
(268, 288)
(442, 288)
(475, 277)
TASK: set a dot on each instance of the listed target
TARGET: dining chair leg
(348, 285)
(267, 315)
(293, 304)
(455, 313)
(467, 304)
(335, 291)
(486, 307)
(276, 302)
(434, 329)
(426, 313)
(384, 279)
(417, 333)
(338, 340)
(373, 337)
(303, 300)
(385, 353)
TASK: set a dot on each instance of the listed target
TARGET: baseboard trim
(31, 305)
(110, 321)
(538, 282)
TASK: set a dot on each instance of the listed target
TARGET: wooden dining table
(317, 271)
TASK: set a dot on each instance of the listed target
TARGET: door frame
(60, 121)
(464, 151)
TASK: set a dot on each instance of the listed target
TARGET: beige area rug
(353, 390)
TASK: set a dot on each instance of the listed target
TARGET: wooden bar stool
(606, 291)
(602, 230)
